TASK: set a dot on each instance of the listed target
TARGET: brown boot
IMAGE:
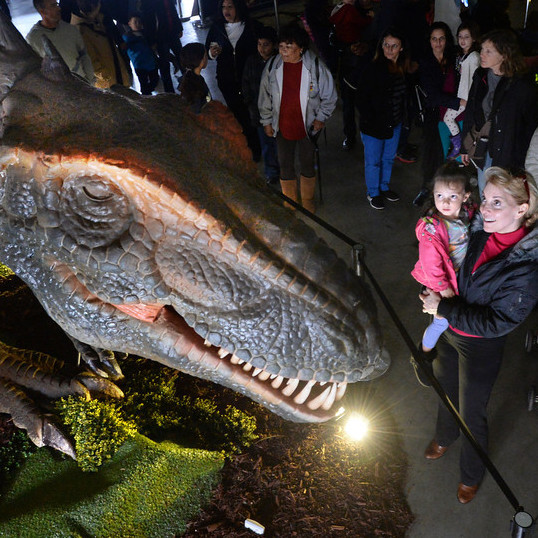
(289, 189)
(308, 184)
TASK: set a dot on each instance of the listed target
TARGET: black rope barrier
(520, 523)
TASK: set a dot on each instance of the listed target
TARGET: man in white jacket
(65, 38)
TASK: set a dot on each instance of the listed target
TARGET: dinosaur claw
(99, 385)
(110, 365)
(55, 438)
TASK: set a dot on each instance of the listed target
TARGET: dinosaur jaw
(298, 400)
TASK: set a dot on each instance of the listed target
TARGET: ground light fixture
(356, 426)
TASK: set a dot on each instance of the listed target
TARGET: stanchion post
(358, 258)
(522, 525)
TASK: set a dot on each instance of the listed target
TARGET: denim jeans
(378, 160)
(271, 169)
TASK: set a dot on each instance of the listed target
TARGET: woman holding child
(498, 288)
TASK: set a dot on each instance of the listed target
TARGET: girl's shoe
(456, 147)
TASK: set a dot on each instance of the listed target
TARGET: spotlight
(356, 427)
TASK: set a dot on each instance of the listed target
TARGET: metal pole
(277, 23)
(522, 525)
(358, 258)
(526, 13)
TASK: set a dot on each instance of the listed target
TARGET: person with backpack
(297, 96)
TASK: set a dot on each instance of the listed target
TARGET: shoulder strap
(271, 62)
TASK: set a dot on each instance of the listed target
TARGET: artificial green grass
(147, 489)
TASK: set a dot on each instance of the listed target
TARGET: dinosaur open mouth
(309, 398)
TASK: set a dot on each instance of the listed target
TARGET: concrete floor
(391, 251)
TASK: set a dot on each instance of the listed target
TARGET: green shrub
(14, 452)
(98, 428)
(5, 271)
(152, 401)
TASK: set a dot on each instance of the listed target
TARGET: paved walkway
(388, 237)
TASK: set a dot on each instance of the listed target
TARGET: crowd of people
(396, 66)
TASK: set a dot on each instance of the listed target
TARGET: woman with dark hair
(230, 41)
(297, 96)
(501, 95)
(438, 81)
(381, 100)
(498, 289)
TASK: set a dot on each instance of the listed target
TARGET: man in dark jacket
(252, 75)
(163, 28)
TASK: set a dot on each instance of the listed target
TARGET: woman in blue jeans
(381, 100)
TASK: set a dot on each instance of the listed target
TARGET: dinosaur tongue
(143, 312)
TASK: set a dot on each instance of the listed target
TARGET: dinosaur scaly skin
(141, 228)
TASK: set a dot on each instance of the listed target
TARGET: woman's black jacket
(374, 101)
(230, 63)
(514, 121)
(500, 294)
(432, 81)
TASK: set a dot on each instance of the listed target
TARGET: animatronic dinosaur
(139, 227)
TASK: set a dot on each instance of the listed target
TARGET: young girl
(192, 85)
(443, 235)
(466, 64)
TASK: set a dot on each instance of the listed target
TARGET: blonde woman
(498, 288)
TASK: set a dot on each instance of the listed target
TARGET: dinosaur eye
(95, 211)
(96, 196)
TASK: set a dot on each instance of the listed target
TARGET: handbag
(476, 143)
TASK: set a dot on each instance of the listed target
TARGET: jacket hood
(525, 250)
(308, 59)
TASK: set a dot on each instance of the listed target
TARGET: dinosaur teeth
(207, 343)
(264, 375)
(222, 353)
(341, 390)
(273, 376)
(234, 359)
(277, 382)
(289, 389)
(327, 404)
(256, 372)
(247, 367)
(303, 395)
(316, 402)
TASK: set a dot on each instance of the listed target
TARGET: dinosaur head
(143, 228)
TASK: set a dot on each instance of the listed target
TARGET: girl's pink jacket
(434, 268)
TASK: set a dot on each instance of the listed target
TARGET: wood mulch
(302, 480)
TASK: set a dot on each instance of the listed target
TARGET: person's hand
(359, 48)
(448, 293)
(430, 301)
(268, 129)
(215, 49)
(317, 125)
(463, 102)
(465, 159)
